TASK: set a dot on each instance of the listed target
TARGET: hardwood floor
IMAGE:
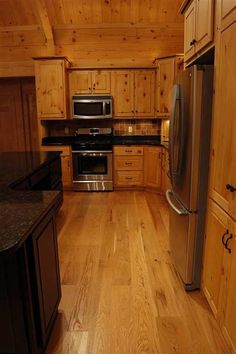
(120, 292)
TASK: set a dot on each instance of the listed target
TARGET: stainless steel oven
(92, 162)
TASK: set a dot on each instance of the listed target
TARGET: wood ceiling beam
(45, 23)
(20, 28)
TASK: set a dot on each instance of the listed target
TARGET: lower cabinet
(138, 167)
(30, 290)
(66, 162)
(152, 167)
(219, 269)
(128, 166)
(45, 275)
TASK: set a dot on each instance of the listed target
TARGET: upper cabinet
(228, 13)
(167, 69)
(90, 82)
(199, 27)
(144, 84)
(51, 88)
(134, 93)
(123, 93)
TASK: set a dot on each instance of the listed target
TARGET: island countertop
(21, 210)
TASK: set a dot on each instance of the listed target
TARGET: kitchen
(111, 144)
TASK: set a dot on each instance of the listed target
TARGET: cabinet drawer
(128, 150)
(128, 163)
(129, 178)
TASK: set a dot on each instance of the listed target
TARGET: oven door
(92, 166)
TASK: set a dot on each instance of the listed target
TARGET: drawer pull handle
(223, 237)
(129, 178)
(128, 150)
(128, 163)
(226, 243)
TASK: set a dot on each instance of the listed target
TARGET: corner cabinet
(228, 13)
(144, 93)
(167, 69)
(51, 87)
(152, 167)
(198, 27)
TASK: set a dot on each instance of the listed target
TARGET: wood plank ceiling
(91, 32)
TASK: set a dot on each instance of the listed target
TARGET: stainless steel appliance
(92, 160)
(189, 144)
(92, 107)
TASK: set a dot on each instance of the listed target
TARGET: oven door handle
(87, 152)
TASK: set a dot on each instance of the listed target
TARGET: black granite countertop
(21, 210)
(117, 140)
(15, 166)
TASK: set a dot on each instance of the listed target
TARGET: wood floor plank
(120, 291)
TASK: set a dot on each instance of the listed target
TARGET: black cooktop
(93, 142)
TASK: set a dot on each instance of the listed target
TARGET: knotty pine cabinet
(66, 163)
(89, 82)
(134, 93)
(152, 167)
(51, 88)
(223, 172)
(228, 13)
(167, 69)
(219, 272)
(198, 27)
(128, 166)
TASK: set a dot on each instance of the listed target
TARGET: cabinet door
(144, 93)
(228, 13)
(80, 82)
(189, 31)
(48, 287)
(228, 290)
(123, 93)
(66, 170)
(165, 79)
(216, 226)
(224, 129)
(101, 80)
(204, 23)
(50, 88)
(152, 167)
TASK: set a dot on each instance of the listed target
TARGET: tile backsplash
(137, 127)
(120, 126)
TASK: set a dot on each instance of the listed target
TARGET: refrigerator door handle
(179, 211)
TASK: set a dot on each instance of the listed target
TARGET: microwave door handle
(104, 108)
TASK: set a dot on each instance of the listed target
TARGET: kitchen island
(30, 196)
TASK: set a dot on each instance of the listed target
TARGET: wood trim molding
(20, 28)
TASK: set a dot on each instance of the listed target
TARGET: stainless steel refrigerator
(189, 149)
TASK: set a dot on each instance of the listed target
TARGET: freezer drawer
(182, 238)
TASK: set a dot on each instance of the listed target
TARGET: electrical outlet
(130, 129)
(67, 131)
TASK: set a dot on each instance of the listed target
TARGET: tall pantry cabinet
(219, 274)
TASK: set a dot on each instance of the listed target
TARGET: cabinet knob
(193, 42)
(230, 188)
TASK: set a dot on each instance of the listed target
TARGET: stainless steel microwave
(91, 107)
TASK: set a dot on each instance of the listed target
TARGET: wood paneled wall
(91, 33)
